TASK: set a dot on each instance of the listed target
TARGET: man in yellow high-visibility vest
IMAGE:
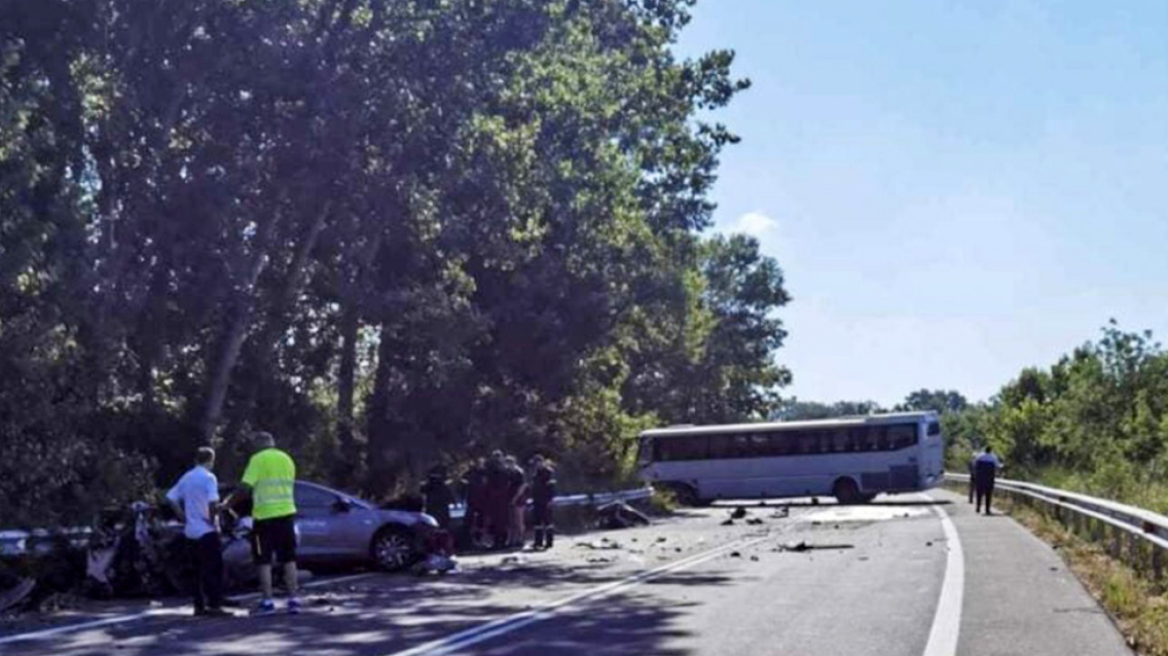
(271, 477)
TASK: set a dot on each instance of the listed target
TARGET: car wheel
(392, 549)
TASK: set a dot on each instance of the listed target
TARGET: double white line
(504, 625)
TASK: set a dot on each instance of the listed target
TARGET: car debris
(728, 522)
(800, 547)
(436, 563)
(735, 554)
(618, 515)
(738, 513)
(17, 593)
(602, 544)
(754, 521)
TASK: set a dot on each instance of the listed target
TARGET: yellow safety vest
(271, 474)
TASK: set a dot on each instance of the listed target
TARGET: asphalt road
(885, 579)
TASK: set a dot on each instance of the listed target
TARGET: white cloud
(755, 224)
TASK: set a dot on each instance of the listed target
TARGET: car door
(315, 518)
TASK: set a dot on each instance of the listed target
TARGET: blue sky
(955, 190)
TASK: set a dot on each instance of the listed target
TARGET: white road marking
(154, 612)
(947, 620)
(504, 625)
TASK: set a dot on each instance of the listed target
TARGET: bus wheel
(684, 494)
(845, 491)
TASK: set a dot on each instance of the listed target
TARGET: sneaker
(265, 607)
(294, 606)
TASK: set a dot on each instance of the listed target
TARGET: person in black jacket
(438, 496)
(543, 490)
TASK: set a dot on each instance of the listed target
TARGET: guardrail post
(1157, 565)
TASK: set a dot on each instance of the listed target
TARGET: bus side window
(882, 443)
(838, 440)
(782, 444)
(719, 447)
(871, 438)
(902, 437)
(682, 448)
(740, 446)
(856, 439)
(760, 445)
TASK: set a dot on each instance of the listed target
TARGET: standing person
(437, 496)
(475, 484)
(498, 506)
(195, 498)
(271, 478)
(985, 471)
(516, 503)
(543, 490)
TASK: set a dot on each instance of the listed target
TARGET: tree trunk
(229, 353)
(377, 430)
(348, 458)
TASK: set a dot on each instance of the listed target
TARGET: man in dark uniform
(985, 470)
(438, 497)
(543, 490)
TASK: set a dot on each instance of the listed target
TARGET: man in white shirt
(195, 498)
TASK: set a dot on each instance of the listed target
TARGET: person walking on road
(195, 499)
(985, 469)
(271, 477)
(543, 490)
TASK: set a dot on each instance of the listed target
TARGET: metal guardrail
(41, 541)
(1134, 535)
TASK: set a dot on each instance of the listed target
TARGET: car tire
(392, 549)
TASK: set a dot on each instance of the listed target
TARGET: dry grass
(1138, 606)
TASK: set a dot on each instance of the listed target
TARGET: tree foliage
(1096, 419)
(385, 231)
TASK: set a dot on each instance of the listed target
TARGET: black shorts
(276, 538)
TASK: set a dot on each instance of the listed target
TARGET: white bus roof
(858, 420)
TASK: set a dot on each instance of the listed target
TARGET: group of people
(497, 493)
(270, 481)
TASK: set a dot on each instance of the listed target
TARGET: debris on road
(16, 594)
(661, 538)
(754, 521)
(728, 522)
(618, 515)
(738, 513)
(754, 559)
(735, 554)
(602, 544)
(781, 513)
(800, 547)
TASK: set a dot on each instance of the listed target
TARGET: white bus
(852, 458)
